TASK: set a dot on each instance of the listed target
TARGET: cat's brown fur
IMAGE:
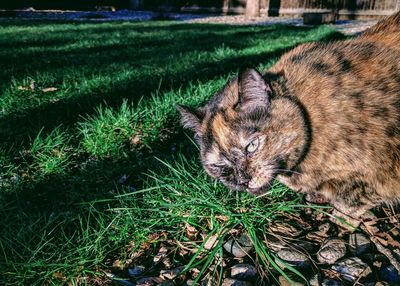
(324, 119)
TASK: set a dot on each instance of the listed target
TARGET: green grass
(92, 158)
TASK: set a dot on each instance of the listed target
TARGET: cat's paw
(316, 198)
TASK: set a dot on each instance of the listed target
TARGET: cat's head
(246, 134)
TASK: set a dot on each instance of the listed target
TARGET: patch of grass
(85, 110)
(106, 133)
(49, 154)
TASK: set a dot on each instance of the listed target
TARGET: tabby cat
(324, 120)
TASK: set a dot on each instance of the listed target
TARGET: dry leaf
(135, 140)
(162, 253)
(118, 264)
(59, 275)
(211, 242)
(388, 239)
(370, 227)
(191, 231)
(49, 89)
(222, 217)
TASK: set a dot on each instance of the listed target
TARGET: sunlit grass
(93, 159)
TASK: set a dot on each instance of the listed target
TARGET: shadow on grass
(141, 56)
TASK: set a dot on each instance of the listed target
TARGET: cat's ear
(253, 90)
(191, 118)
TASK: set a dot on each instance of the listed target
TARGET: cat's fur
(324, 119)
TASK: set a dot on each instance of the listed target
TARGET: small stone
(352, 269)
(240, 247)
(285, 229)
(331, 251)
(171, 274)
(243, 271)
(234, 282)
(136, 271)
(331, 282)
(293, 258)
(390, 274)
(358, 243)
(148, 281)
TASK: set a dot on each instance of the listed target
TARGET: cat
(324, 120)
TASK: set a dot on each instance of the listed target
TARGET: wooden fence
(344, 8)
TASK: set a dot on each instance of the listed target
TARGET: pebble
(234, 282)
(243, 271)
(293, 258)
(352, 268)
(136, 271)
(390, 275)
(331, 251)
(240, 247)
(358, 243)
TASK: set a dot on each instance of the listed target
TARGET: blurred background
(345, 8)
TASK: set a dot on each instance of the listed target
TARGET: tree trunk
(252, 8)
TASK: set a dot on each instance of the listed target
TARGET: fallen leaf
(59, 275)
(211, 242)
(191, 231)
(162, 254)
(388, 239)
(135, 140)
(49, 89)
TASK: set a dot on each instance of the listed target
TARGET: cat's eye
(253, 146)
